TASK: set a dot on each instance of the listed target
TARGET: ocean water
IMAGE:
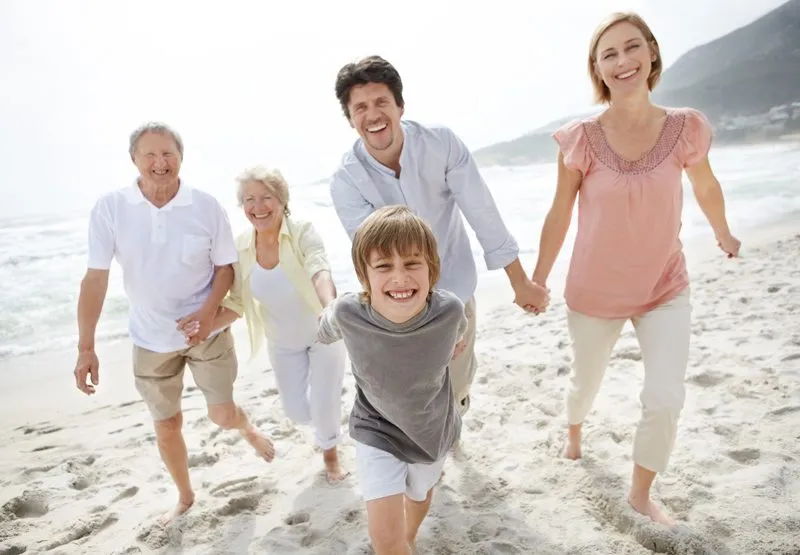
(42, 258)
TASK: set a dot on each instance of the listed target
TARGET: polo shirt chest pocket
(196, 250)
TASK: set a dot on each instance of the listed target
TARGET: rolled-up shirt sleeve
(350, 205)
(313, 250)
(477, 204)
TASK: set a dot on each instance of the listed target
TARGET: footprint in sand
(789, 409)
(81, 475)
(40, 430)
(225, 489)
(745, 456)
(31, 504)
(203, 459)
(300, 517)
(708, 378)
(238, 505)
(126, 494)
(83, 529)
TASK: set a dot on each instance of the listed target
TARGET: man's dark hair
(372, 69)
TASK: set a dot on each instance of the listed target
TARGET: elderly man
(430, 170)
(176, 250)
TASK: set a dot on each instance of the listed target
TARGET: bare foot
(650, 509)
(573, 449)
(182, 506)
(261, 443)
(333, 469)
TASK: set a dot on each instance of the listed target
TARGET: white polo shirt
(167, 257)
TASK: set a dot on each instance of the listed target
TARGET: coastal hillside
(747, 82)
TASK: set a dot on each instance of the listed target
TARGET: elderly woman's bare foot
(333, 469)
(261, 443)
(646, 507)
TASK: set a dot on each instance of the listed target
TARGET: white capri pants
(309, 381)
(663, 335)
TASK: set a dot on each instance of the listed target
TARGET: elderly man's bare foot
(184, 504)
(573, 449)
(648, 508)
(333, 469)
(261, 443)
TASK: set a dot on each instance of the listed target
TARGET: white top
(167, 257)
(291, 323)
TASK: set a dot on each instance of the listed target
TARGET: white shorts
(381, 474)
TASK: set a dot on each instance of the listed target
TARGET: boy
(401, 335)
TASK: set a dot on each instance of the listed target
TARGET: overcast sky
(252, 82)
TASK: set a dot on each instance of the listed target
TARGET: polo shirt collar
(133, 195)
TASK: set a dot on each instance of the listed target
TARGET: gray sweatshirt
(404, 402)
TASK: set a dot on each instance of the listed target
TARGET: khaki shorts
(159, 376)
(462, 369)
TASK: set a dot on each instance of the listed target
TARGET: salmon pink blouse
(628, 257)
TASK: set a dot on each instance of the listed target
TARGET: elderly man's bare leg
(172, 448)
(231, 417)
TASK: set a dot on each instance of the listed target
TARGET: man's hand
(87, 366)
(459, 348)
(531, 297)
(197, 326)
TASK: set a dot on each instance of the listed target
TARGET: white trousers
(309, 381)
(663, 335)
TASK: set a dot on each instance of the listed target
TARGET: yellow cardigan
(301, 255)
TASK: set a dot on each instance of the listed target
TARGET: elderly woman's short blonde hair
(270, 178)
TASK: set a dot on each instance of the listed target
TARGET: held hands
(729, 245)
(531, 297)
(196, 327)
(87, 367)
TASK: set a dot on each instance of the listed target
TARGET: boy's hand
(459, 348)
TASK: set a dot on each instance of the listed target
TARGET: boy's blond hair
(390, 229)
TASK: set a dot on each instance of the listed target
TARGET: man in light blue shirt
(430, 170)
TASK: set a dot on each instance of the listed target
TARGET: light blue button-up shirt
(438, 181)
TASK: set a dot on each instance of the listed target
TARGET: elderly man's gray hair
(154, 127)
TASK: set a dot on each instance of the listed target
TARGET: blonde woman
(625, 167)
(282, 283)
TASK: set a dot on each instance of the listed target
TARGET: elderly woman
(282, 283)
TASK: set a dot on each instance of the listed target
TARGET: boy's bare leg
(416, 511)
(387, 525)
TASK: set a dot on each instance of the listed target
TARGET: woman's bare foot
(261, 443)
(573, 449)
(184, 504)
(646, 507)
(333, 469)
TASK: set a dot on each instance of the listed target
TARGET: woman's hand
(729, 244)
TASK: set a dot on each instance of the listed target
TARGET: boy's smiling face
(398, 285)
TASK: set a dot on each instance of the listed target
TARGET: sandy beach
(82, 475)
